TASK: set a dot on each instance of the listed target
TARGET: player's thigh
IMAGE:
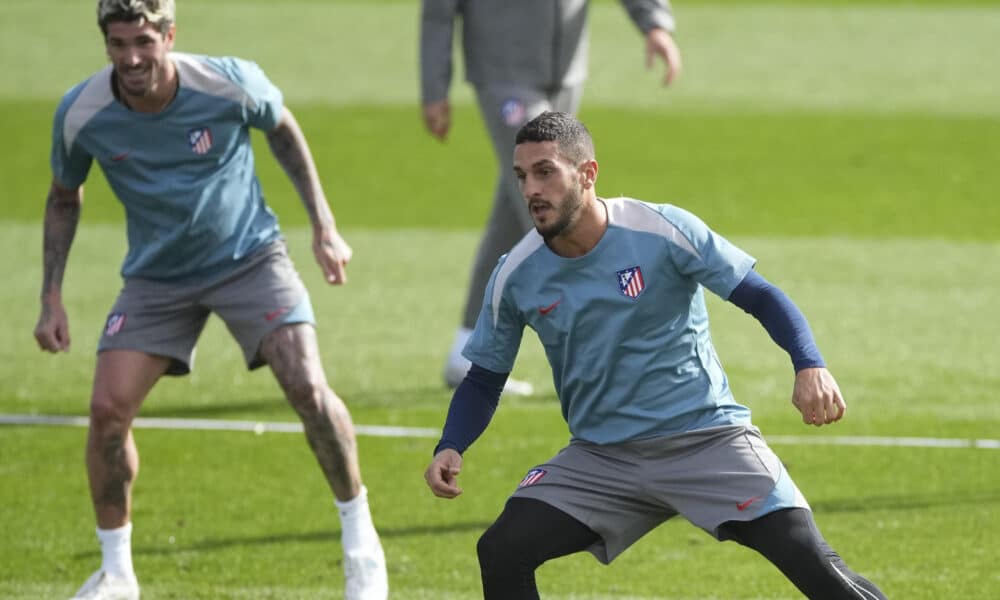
(534, 531)
(156, 318)
(122, 379)
(264, 295)
(292, 352)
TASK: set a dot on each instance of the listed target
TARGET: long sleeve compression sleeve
(783, 321)
(472, 406)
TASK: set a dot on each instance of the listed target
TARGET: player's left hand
(817, 396)
(660, 43)
(332, 253)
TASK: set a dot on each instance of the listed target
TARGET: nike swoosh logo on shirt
(274, 314)
(120, 157)
(544, 310)
(741, 506)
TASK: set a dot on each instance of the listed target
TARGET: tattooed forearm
(62, 214)
(289, 147)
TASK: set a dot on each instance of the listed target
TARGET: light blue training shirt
(625, 327)
(185, 175)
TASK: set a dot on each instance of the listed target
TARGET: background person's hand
(437, 118)
(660, 43)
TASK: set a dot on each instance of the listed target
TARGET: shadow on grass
(322, 537)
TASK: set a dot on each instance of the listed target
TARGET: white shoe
(454, 373)
(104, 586)
(365, 577)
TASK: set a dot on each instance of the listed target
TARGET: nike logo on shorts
(274, 314)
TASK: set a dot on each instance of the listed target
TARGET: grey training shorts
(166, 318)
(622, 491)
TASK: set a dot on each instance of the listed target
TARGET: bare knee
(111, 413)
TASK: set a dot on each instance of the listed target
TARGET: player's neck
(584, 235)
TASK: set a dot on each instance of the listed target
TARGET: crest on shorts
(532, 477)
(512, 112)
(116, 321)
(630, 282)
(200, 140)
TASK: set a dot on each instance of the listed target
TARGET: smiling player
(171, 133)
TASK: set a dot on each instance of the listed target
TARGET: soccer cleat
(365, 577)
(104, 586)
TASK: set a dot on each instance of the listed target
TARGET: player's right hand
(442, 474)
(52, 330)
(437, 118)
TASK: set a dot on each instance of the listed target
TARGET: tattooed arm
(62, 214)
(289, 146)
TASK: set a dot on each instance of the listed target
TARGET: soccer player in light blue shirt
(614, 288)
(171, 132)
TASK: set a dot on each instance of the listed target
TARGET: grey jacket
(540, 43)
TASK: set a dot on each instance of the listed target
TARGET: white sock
(356, 526)
(116, 551)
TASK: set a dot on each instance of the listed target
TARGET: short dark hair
(158, 12)
(570, 135)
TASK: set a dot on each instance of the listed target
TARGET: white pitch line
(426, 432)
(862, 440)
(219, 425)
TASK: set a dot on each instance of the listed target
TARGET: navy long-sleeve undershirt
(783, 321)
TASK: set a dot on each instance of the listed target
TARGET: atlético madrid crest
(200, 140)
(630, 282)
(114, 324)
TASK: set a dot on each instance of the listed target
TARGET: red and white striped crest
(532, 477)
(630, 282)
(114, 324)
(200, 140)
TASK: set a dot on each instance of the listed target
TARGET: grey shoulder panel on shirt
(517, 255)
(198, 74)
(95, 95)
(639, 216)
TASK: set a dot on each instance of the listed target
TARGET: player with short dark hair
(171, 132)
(614, 288)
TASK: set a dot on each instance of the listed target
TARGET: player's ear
(168, 37)
(588, 174)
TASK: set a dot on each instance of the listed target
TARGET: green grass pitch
(850, 146)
